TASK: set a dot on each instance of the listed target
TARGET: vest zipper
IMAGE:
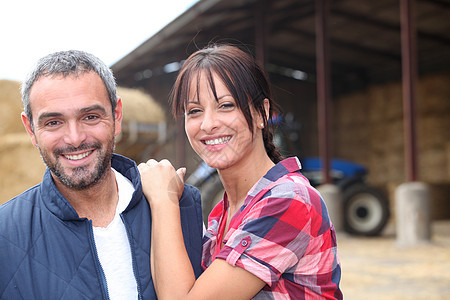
(133, 260)
(98, 264)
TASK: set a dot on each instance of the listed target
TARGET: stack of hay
(20, 164)
(143, 125)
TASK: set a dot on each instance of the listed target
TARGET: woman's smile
(216, 141)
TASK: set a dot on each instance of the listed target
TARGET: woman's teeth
(218, 141)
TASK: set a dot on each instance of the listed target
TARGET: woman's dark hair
(242, 76)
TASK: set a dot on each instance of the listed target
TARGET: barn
(363, 81)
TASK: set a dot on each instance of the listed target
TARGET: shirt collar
(288, 165)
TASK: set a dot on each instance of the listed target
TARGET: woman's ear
(261, 118)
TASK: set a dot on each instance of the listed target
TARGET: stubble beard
(81, 177)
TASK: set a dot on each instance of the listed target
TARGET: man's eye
(91, 117)
(52, 123)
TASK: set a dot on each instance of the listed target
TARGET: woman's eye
(227, 105)
(193, 111)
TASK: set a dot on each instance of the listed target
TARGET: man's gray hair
(67, 63)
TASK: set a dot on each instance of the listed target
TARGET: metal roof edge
(195, 10)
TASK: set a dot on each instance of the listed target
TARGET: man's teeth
(218, 141)
(77, 157)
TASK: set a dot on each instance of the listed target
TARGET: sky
(109, 29)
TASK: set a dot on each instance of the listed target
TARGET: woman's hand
(160, 181)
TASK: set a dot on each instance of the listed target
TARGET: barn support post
(261, 31)
(323, 85)
(412, 197)
(409, 82)
(330, 192)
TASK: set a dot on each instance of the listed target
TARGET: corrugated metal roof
(364, 38)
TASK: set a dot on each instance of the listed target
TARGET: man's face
(74, 128)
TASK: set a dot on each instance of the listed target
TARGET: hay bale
(10, 100)
(20, 165)
(378, 140)
(142, 119)
(447, 151)
(433, 91)
(139, 106)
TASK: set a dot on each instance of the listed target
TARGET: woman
(271, 236)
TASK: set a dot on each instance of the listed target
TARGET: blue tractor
(366, 208)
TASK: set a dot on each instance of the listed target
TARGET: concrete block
(412, 214)
(332, 197)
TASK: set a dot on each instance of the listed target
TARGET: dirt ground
(378, 268)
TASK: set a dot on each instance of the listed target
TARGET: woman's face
(217, 130)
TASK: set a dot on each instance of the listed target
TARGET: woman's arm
(171, 268)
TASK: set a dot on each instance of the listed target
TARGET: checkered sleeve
(276, 233)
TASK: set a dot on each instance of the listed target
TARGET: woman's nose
(209, 122)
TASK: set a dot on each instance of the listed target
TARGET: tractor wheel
(366, 210)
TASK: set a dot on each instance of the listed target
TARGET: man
(84, 231)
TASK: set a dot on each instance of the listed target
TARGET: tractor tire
(366, 210)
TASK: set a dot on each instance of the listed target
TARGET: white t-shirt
(113, 248)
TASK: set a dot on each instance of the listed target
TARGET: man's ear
(27, 124)
(118, 116)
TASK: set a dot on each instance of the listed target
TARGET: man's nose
(75, 134)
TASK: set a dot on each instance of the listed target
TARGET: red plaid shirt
(282, 234)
